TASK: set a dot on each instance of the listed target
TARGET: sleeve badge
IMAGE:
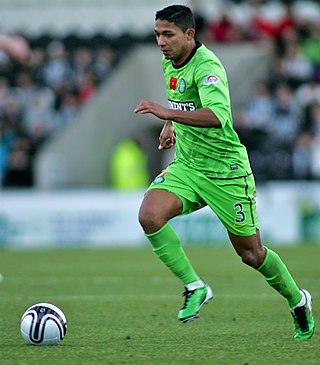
(210, 80)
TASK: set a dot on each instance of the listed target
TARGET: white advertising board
(69, 218)
(288, 213)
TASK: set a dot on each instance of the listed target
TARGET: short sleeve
(212, 84)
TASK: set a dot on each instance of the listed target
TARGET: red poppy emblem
(173, 83)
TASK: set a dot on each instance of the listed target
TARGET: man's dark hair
(180, 15)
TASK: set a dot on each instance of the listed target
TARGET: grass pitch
(122, 307)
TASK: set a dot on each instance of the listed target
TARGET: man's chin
(166, 54)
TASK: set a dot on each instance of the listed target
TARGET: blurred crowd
(40, 97)
(280, 125)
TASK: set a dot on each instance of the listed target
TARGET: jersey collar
(198, 44)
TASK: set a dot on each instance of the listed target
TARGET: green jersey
(201, 82)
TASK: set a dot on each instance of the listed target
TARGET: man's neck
(188, 55)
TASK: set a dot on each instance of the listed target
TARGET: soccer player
(210, 167)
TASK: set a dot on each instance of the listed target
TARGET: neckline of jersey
(198, 45)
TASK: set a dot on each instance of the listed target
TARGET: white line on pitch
(123, 297)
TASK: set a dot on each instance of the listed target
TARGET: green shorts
(232, 200)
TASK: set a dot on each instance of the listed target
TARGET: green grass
(122, 307)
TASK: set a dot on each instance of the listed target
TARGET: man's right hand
(167, 137)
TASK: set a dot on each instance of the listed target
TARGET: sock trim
(156, 232)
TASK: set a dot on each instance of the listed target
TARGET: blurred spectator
(57, 69)
(294, 68)
(310, 45)
(313, 131)
(4, 91)
(253, 123)
(129, 166)
(285, 121)
(308, 93)
(8, 135)
(81, 64)
(36, 65)
(38, 136)
(301, 157)
(87, 88)
(311, 118)
(40, 111)
(224, 29)
(12, 110)
(67, 111)
(315, 157)
(102, 64)
(25, 87)
(37, 102)
(315, 119)
(19, 167)
(258, 112)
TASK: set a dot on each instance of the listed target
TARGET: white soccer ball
(43, 324)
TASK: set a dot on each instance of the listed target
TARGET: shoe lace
(187, 295)
(300, 315)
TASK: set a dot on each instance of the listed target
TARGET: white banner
(69, 218)
(288, 213)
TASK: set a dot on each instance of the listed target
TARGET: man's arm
(196, 118)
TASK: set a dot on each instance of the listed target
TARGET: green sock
(166, 244)
(277, 275)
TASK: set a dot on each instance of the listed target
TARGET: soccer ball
(43, 324)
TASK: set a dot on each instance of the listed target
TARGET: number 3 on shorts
(240, 215)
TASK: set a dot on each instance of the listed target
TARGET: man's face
(173, 42)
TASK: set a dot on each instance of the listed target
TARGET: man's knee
(157, 208)
(253, 258)
(146, 220)
(150, 221)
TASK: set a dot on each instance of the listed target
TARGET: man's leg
(275, 272)
(167, 246)
(277, 275)
(157, 208)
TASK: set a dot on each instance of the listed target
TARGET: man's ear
(190, 32)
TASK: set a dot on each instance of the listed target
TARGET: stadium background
(64, 114)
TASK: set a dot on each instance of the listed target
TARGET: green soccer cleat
(303, 319)
(194, 300)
